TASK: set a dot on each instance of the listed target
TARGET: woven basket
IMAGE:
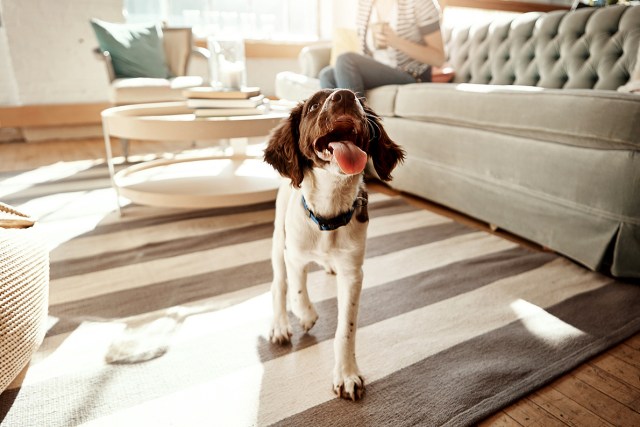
(24, 292)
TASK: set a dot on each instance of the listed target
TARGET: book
(225, 103)
(225, 112)
(211, 93)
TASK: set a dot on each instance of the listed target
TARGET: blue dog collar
(328, 224)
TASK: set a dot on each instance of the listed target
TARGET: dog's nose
(342, 95)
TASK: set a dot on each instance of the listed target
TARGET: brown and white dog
(321, 214)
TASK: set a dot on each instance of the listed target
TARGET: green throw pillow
(136, 49)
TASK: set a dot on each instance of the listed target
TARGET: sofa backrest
(594, 48)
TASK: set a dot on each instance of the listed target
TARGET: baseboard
(52, 133)
(26, 116)
(10, 134)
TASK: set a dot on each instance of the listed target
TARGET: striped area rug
(160, 317)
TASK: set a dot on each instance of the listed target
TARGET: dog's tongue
(350, 158)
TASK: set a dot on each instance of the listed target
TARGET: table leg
(239, 147)
(107, 146)
(124, 144)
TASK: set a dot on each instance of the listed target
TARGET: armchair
(178, 49)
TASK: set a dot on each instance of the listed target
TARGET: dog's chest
(305, 230)
(317, 245)
(325, 243)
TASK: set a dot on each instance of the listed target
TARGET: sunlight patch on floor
(54, 172)
(231, 400)
(232, 393)
(202, 321)
(63, 216)
(544, 325)
(86, 346)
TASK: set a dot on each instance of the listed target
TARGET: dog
(321, 214)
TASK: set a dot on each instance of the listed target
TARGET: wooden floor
(603, 392)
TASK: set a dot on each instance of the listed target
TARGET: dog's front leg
(301, 305)
(347, 380)
(280, 328)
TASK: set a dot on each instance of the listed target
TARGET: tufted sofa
(534, 135)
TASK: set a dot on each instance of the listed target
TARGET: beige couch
(535, 135)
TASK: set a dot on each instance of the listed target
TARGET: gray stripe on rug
(202, 242)
(175, 247)
(199, 287)
(408, 294)
(413, 292)
(381, 208)
(176, 216)
(164, 249)
(161, 295)
(386, 300)
(439, 384)
(418, 236)
(487, 372)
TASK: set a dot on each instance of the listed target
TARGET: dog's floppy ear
(283, 149)
(385, 153)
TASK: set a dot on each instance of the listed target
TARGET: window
(285, 20)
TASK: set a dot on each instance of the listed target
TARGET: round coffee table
(199, 182)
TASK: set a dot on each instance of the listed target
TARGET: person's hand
(379, 37)
(389, 36)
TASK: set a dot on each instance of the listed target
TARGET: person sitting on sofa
(400, 41)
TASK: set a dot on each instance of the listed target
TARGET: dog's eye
(314, 107)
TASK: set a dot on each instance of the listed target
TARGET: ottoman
(24, 293)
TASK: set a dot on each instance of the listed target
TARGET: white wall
(46, 53)
(8, 89)
(343, 13)
(48, 45)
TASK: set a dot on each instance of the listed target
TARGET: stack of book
(211, 102)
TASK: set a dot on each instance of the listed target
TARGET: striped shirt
(415, 19)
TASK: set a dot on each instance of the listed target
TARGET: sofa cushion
(580, 117)
(383, 99)
(141, 90)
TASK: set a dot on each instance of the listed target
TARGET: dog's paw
(307, 316)
(349, 386)
(308, 322)
(281, 332)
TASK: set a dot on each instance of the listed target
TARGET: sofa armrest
(314, 58)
